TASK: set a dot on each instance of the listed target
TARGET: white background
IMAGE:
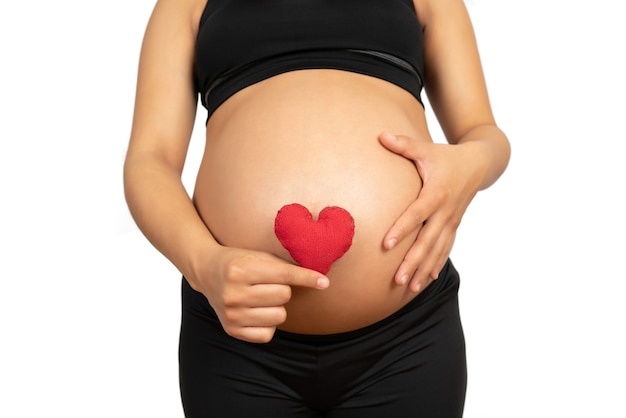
(89, 311)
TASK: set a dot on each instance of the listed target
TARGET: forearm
(164, 212)
(488, 147)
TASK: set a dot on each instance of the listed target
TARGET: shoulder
(432, 11)
(185, 13)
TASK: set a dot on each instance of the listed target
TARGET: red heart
(314, 245)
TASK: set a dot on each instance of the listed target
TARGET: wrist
(488, 149)
(198, 261)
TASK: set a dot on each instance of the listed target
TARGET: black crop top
(241, 42)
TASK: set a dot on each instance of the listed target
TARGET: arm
(164, 115)
(457, 90)
(478, 151)
(247, 289)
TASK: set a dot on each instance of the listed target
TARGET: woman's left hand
(449, 185)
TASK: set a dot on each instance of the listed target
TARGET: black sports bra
(241, 42)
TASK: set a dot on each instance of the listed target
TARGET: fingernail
(392, 243)
(417, 287)
(404, 279)
(323, 283)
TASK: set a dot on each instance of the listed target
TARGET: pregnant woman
(314, 252)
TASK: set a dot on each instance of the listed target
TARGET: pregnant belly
(268, 147)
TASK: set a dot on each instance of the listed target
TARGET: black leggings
(411, 364)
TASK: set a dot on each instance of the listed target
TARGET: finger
(431, 265)
(412, 269)
(406, 273)
(259, 335)
(298, 276)
(423, 275)
(443, 257)
(421, 278)
(255, 295)
(267, 295)
(414, 217)
(400, 144)
(410, 221)
(268, 316)
(282, 273)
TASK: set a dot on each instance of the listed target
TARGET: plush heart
(314, 244)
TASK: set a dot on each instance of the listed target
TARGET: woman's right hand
(249, 289)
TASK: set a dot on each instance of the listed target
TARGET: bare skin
(248, 278)
(267, 147)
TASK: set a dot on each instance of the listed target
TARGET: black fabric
(411, 364)
(241, 42)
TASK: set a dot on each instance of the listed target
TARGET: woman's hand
(248, 290)
(450, 182)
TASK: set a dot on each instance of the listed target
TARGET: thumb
(400, 144)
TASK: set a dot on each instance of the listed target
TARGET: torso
(268, 147)
(311, 137)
